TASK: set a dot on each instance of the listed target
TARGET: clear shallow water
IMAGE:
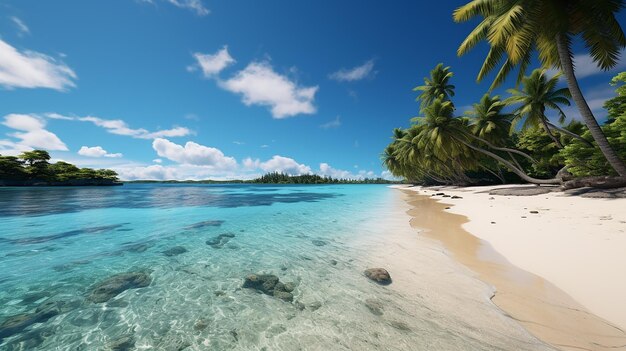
(57, 243)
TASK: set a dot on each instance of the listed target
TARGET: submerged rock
(376, 307)
(269, 284)
(319, 242)
(16, 324)
(379, 275)
(108, 289)
(283, 295)
(212, 223)
(123, 343)
(201, 324)
(175, 251)
(219, 241)
(137, 248)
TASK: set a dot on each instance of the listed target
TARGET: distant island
(279, 178)
(32, 168)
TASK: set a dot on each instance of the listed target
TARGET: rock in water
(379, 275)
(108, 289)
(376, 307)
(283, 295)
(219, 241)
(174, 251)
(261, 282)
(123, 343)
(269, 284)
(16, 324)
(319, 242)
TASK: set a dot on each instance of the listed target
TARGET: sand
(559, 272)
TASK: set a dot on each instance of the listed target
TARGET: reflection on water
(50, 200)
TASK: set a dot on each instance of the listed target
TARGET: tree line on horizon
(512, 139)
(35, 166)
(283, 178)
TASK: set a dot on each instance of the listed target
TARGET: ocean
(163, 267)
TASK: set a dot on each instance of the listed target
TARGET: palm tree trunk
(544, 122)
(572, 134)
(567, 67)
(515, 160)
(499, 176)
(513, 169)
(501, 148)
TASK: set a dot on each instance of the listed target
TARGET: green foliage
(12, 168)
(585, 161)
(482, 146)
(437, 86)
(282, 178)
(536, 96)
(514, 29)
(34, 165)
(617, 105)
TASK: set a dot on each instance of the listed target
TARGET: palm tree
(538, 94)
(436, 86)
(488, 120)
(515, 28)
(451, 137)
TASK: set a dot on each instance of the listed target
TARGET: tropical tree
(35, 157)
(11, 168)
(514, 29)
(437, 86)
(488, 120)
(538, 94)
(452, 137)
(617, 105)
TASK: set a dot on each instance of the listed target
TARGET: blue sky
(196, 89)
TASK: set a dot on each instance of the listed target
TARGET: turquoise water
(57, 244)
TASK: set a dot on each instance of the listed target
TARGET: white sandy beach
(578, 244)
(559, 272)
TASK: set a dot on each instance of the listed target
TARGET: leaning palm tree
(436, 86)
(451, 137)
(515, 28)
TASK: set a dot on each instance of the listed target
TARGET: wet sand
(542, 308)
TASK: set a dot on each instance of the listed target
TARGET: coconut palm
(436, 86)
(514, 28)
(538, 94)
(488, 121)
(450, 137)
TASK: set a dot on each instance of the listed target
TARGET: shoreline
(552, 312)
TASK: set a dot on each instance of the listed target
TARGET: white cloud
(21, 26)
(195, 5)
(388, 176)
(97, 151)
(176, 172)
(336, 123)
(212, 64)
(30, 69)
(327, 170)
(236, 142)
(157, 160)
(278, 164)
(193, 154)
(260, 85)
(153, 172)
(357, 73)
(31, 134)
(119, 127)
